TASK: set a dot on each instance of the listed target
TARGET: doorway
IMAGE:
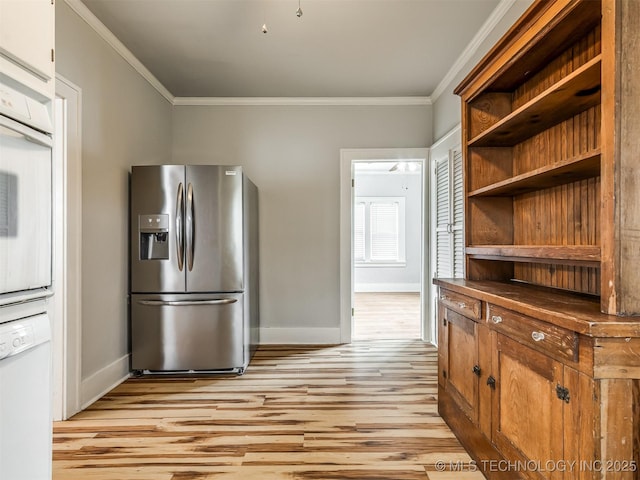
(383, 254)
(67, 213)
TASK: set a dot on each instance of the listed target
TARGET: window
(379, 230)
(358, 231)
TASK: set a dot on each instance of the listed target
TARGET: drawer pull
(462, 305)
(444, 297)
(476, 370)
(496, 319)
(537, 336)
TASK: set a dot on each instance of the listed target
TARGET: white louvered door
(449, 213)
(443, 260)
(457, 214)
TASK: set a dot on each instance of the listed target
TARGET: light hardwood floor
(362, 411)
(386, 316)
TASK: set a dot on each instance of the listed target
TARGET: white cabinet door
(27, 40)
(449, 216)
(446, 241)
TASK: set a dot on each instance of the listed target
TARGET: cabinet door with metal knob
(525, 381)
(462, 368)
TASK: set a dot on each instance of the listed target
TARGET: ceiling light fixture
(265, 30)
(405, 166)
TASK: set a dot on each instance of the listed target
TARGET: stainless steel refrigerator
(194, 268)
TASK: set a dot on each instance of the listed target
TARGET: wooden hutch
(539, 349)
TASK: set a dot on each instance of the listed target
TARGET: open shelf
(578, 255)
(566, 171)
(575, 93)
(578, 18)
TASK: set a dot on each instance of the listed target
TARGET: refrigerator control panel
(153, 223)
(154, 231)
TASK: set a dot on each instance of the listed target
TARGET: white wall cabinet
(27, 45)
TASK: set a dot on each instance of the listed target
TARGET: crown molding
(83, 12)
(106, 34)
(301, 101)
(473, 46)
(100, 28)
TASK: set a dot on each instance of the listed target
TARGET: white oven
(25, 193)
(25, 284)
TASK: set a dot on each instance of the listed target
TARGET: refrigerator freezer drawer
(187, 332)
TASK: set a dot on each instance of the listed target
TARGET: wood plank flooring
(386, 316)
(362, 411)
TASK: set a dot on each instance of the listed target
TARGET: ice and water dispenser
(154, 236)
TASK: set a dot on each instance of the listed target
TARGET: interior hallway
(386, 316)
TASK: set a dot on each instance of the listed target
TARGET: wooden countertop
(576, 312)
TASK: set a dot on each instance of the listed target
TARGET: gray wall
(446, 108)
(292, 153)
(408, 186)
(124, 122)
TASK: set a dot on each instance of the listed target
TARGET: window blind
(384, 231)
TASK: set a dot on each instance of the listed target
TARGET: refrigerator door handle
(182, 303)
(179, 229)
(190, 227)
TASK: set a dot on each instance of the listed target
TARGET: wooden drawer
(463, 304)
(555, 341)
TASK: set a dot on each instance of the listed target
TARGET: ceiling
(337, 48)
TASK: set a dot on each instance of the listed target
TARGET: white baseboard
(104, 380)
(386, 287)
(300, 336)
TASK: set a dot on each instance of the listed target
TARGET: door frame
(347, 158)
(67, 251)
